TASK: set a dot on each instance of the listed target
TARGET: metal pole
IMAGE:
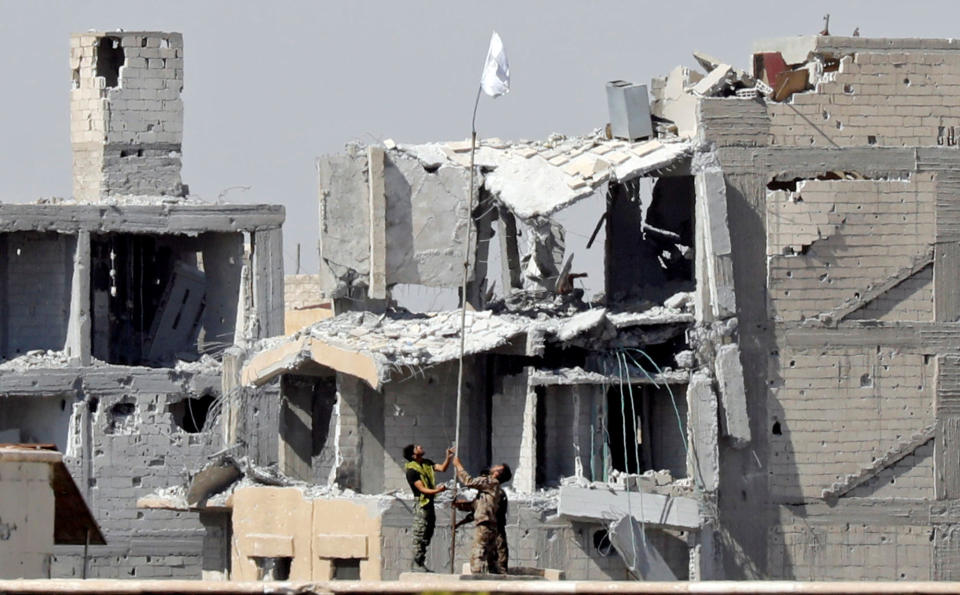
(463, 327)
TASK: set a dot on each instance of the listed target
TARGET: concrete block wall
(841, 391)
(36, 291)
(911, 478)
(302, 291)
(890, 98)
(127, 136)
(428, 417)
(508, 421)
(834, 411)
(855, 235)
(910, 300)
(851, 551)
(135, 448)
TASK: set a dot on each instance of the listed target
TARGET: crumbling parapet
(126, 114)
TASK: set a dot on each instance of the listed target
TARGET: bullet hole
(906, 82)
(848, 89)
(136, 482)
(871, 140)
(839, 125)
(776, 429)
(143, 42)
(826, 115)
(190, 415)
(110, 58)
(793, 363)
(866, 381)
(75, 78)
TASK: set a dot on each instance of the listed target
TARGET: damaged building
(116, 307)
(759, 386)
(612, 410)
(758, 381)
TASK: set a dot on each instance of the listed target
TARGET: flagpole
(463, 327)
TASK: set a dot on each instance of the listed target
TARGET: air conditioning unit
(629, 109)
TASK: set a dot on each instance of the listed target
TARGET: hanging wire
(623, 419)
(636, 449)
(673, 398)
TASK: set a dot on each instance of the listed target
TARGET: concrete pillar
(229, 383)
(268, 282)
(715, 247)
(525, 477)
(377, 288)
(79, 340)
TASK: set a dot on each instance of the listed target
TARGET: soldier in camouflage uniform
(485, 557)
(500, 545)
(419, 471)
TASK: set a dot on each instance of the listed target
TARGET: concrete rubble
(761, 382)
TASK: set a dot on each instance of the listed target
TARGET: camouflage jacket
(488, 496)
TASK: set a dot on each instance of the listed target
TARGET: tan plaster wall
(278, 522)
(26, 519)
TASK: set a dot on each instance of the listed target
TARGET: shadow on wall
(745, 474)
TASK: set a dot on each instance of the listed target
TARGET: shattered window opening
(190, 414)
(110, 57)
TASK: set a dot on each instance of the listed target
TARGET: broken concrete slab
(729, 372)
(172, 219)
(703, 458)
(718, 79)
(640, 555)
(607, 505)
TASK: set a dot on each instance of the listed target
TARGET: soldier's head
(413, 452)
(502, 472)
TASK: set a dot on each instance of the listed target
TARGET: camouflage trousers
(489, 554)
(503, 552)
(424, 520)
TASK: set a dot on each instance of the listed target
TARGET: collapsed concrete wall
(371, 199)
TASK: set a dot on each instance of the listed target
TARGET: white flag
(495, 80)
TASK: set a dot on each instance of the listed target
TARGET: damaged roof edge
(289, 357)
(537, 180)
